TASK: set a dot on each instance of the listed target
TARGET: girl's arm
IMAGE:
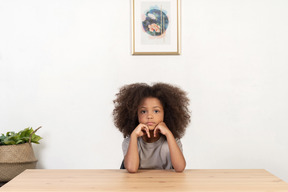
(177, 158)
(131, 159)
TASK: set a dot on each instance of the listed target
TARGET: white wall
(63, 61)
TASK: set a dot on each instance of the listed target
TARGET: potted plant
(17, 153)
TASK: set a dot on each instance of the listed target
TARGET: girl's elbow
(132, 170)
(179, 170)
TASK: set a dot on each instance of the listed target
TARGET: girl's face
(150, 112)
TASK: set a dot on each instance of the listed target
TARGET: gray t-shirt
(152, 155)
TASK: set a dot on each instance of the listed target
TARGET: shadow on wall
(38, 150)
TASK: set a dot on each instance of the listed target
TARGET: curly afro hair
(174, 100)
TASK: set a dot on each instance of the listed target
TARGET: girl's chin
(151, 128)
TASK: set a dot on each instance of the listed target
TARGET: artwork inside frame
(155, 27)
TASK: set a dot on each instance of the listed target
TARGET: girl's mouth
(150, 124)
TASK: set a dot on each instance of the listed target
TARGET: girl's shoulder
(126, 141)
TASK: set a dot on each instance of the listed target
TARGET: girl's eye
(156, 111)
(143, 112)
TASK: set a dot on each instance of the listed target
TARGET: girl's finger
(155, 130)
(145, 129)
(148, 133)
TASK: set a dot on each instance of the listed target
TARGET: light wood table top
(203, 180)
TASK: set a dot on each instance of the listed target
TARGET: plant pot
(14, 159)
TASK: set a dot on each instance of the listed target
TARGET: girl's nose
(150, 116)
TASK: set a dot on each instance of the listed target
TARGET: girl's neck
(152, 139)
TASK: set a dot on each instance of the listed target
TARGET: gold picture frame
(155, 27)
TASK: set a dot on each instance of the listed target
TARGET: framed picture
(155, 27)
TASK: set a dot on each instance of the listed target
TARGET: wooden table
(146, 180)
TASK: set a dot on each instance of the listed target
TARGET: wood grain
(250, 180)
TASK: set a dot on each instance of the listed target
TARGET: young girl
(152, 120)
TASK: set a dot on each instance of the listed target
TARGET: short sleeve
(125, 145)
(178, 141)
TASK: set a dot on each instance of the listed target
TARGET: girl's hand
(162, 128)
(177, 158)
(141, 130)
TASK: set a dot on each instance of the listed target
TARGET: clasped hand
(143, 129)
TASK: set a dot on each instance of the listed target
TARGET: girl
(152, 120)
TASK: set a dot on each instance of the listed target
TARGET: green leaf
(25, 139)
(19, 142)
(2, 137)
(9, 134)
(9, 142)
(23, 136)
(35, 138)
